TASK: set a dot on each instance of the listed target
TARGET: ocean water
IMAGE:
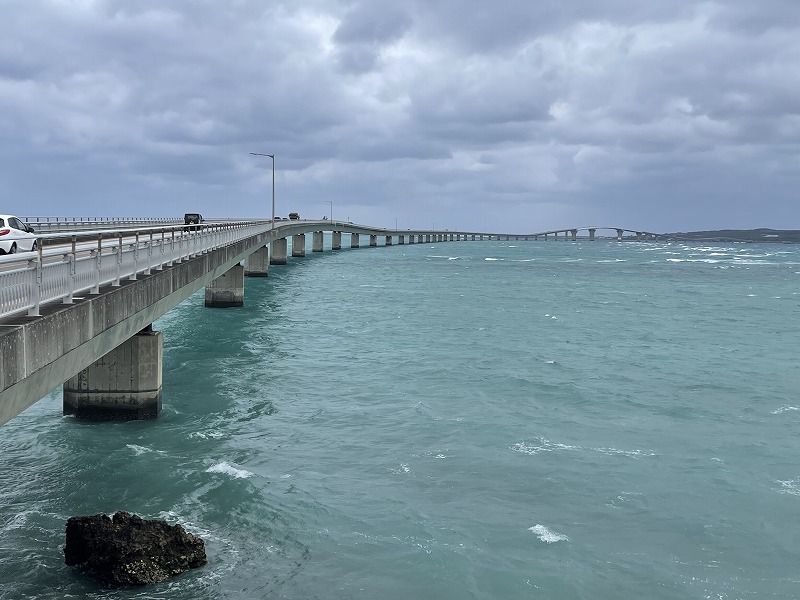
(456, 420)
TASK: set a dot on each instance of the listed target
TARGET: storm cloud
(516, 116)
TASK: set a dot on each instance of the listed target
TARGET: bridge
(79, 311)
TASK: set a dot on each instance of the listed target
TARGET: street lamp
(272, 156)
(331, 203)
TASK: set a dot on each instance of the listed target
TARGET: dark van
(294, 216)
(192, 219)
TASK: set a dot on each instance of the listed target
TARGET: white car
(16, 236)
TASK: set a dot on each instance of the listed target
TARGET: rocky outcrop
(129, 550)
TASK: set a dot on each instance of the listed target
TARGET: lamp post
(272, 156)
(331, 203)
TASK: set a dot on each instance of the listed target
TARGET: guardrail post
(70, 258)
(149, 254)
(118, 252)
(36, 288)
(160, 264)
(135, 257)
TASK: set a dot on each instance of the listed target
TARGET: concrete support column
(619, 235)
(545, 237)
(373, 241)
(317, 241)
(388, 240)
(257, 264)
(299, 244)
(401, 239)
(354, 240)
(574, 235)
(473, 237)
(227, 290)
(536, 238)
(419, 239)
(427, 237)
(336, 240)
(638, 236)
(277, 252)
(123, 385)
(591, 233)
(411, 239)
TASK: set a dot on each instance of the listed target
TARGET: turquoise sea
(485, 420)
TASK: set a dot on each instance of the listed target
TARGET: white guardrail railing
(67, 264)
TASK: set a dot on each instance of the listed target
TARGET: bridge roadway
(79, 312)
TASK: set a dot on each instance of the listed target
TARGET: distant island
(782, 236)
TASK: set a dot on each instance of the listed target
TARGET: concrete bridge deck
(79, 311)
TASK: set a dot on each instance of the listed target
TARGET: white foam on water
(226, 469)
(790, 486)
(453, 257)
(18, 521)
(492, 259)
(139, 450)
(785, 408)
(546, 535)
(403, 468)
(546, 445)
(616, 451)
(543, 446)
(207, 434)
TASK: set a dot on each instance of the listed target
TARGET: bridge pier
(401, 240)
(420, 239)
(354, 240)
(317, 241)
(373, 241)
(638, 236)
(411, 239)
(123, 385)
(227, 290)
(619, 235)
(278, 252)
(257, 264)
(336, 240)
(299, 244)
(388, 240)
(574, 235)
(591, 233)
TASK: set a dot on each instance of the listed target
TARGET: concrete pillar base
(354, 240)
(299, 244)
(277, 252)
(257, 264)
(124, 385)
(317, 241)
(336, 240)
(227, 290)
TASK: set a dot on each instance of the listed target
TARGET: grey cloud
(653, 111)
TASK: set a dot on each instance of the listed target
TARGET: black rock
(129, 550)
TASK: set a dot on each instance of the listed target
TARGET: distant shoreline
(763, 235)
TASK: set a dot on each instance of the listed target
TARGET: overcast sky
(517, 115)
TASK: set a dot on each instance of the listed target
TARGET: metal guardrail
(67, 265)
(60, 224)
